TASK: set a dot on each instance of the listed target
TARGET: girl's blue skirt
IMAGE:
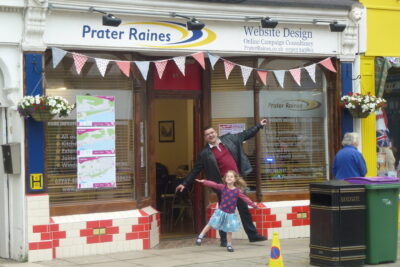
(227, 222)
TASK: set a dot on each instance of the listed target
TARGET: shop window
(60, 134)
(293, 146)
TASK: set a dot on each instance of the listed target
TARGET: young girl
(225, 218)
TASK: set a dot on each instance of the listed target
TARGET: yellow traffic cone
(275, 259)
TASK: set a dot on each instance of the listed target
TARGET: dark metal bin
(337, 224)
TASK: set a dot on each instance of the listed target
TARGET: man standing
(220, 155)
(349, 162)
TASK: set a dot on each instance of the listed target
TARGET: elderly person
(349, 162)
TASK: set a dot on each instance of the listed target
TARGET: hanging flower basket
(42, 115)
(357, 113)
(44, 108)
(360, 106)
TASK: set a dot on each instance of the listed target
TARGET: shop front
(143, 92)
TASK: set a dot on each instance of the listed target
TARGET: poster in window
(166, 131)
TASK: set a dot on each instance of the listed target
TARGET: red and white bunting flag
(160, 66)
(79, 61)
(263, 76)
(327, 63)
(180, 63)
(296, 74)
(124, 66)
(311, 71)
(246, 71)
(200, 59)
(102, 65)
(228, 67)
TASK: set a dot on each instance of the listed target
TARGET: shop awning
(333, 4)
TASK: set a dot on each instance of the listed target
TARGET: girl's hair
(239, 183)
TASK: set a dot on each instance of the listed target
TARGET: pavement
(184, 252)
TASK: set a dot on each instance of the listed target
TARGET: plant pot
(357, 113)
(42, 115)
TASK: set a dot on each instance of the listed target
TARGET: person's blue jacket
(349, 162)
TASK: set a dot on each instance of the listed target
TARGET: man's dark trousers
(245, 217)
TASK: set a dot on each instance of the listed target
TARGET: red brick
(130, 236)
(151, 219)
(33, 245)
(86, 232)
(54, 227)
(277, 224)
(270, 218)
(297, 222)
(146, 243)
(45, 245)
(306, 221)
(40, 228)
(258, 211)
(143, 220)
(105, 223)
(92, 239)
(143, 235)
(59, 235)
(297, 209)
(106, 238)
(257, 218)
(265, 232)
(266, 224)
(56, 243)
(93, 224)
(158, 216)
(306, 208)
(291, 216)
(137, 228)
(143, 213)
(112, 230)
(45, 236)
(147, 227)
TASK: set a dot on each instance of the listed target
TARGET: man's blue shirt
(349, 162)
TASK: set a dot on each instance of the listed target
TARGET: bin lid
(372, 180)
(382, 186)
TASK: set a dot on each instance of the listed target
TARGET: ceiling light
(268, 23)
(192, 24)
(336, 27)
(108, 19)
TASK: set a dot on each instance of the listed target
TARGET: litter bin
(382, 214)
(337, 224)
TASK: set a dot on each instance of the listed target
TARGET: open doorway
(174, 151)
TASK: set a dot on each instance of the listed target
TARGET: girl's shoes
(230, 249)
(199, 240)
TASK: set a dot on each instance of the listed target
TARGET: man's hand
(263, 122)
(200, 181)
(180, 188)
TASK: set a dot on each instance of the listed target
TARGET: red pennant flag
(327, 63)
(160, 66)
(296, 74)
(228, 67)
(79, 61)
(199, 57)
(263, 76)
(124, 66)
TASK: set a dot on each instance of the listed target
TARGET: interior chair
(182, 205)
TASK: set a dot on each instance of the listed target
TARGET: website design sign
(172, 34)
(96, 145)
(300, 104)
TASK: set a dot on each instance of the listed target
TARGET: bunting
(327, 63)
(263, 76)
(296, 75)
(213, 59)
(280, 76)
(79, 61)
(102, 65)
(124, 66)
(311, 71)
(199, 57)
(246, 71)
(228, 67)
(143, 66)
(180, 63)
(58, 54)
(160, 66)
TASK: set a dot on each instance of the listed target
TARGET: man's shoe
(258, 238)
(223, 244)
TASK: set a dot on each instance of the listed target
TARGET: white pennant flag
(143, 67)
(213, 59)
(280, 76)
(102, 65)
(180, 63)
(58, 54)
(246, 71)
(311, 71)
